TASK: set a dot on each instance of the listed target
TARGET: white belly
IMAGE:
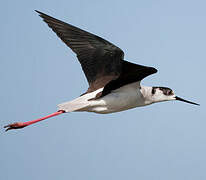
(124, 98)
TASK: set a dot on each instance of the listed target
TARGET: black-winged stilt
(114, 84)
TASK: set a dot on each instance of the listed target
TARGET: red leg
(19, 125)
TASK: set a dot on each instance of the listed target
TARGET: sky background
(164, 141)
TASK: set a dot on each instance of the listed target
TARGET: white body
(126, 97)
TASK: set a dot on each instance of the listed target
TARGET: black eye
(170, 92)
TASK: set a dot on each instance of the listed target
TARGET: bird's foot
(17, 125)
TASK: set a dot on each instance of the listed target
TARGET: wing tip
(43, 15)
(39, 12)
(154, 70)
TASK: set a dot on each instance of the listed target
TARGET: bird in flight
(114, 83)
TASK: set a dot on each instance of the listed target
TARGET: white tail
(73, 105)
(78, 103)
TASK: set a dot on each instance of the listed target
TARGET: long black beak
(180, 99)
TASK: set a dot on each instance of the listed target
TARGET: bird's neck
(147, 94)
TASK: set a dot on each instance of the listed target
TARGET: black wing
(101, 61)
(130, 73)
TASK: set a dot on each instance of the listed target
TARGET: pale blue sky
(164, 141)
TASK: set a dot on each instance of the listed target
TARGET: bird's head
(166, 94)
